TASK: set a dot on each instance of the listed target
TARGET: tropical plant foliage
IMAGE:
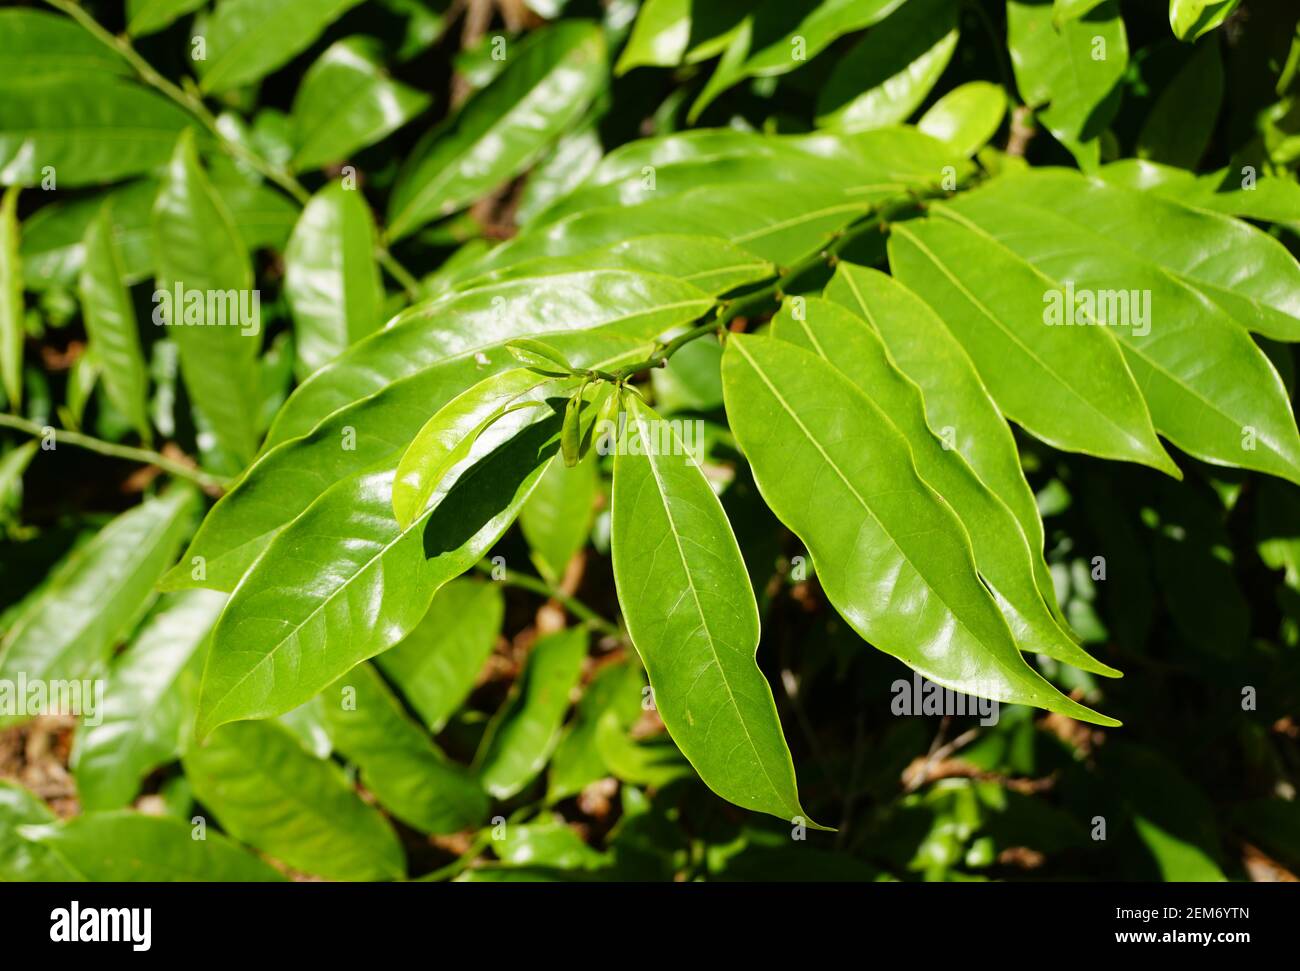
(439, 428)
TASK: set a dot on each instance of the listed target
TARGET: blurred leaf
(1181, 122)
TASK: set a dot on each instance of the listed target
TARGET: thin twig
(572, 604)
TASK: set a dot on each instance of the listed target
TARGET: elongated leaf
(437, 663)
(890, 554)
(958, 407)
(1191, 19)
(1233, 413)
(148, 702)
(11, 301)
(577, 762)
(570, 161)
(1266, 198)
(331, 279)
(883, 79)
(550, 842)
(659, 37)
(343, 582)
(398, 762)
(23, 860)
(247, 39)
(201, 255)
(150, 16)
(1181, 123)
(97, 592)
(690, 610)
(1065, 10)
(448, 437)
(501, 130)
(556, 519)
(347, 101)
(71, 128)
(39, 44)
(966, 117)
(125, 847)
(1073, 70)
(1002, 552)
(524, 733)
(266, 790)
(110, 323)
(1070, 386)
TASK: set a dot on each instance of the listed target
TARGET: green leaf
(398, 762)
(71, 129)
(1181, 123)
(889, 553)
(1066, 10)
(436, 664)
(150, 16)
(659, 37)
(548, 83)
(690, 610)
(1191, 19)
(958, 407)
(570, 161)
(1073, 70)
(548, 842)
(199, 252)
(1263, 197)
(38, 44)
(966, 117)
(125, 846)
(12, 331)
(21, 859)
(1013, 570)
(266, 790)
(577, 762)
(886, 76)
(556, 519)
(1071, 228)
(524, 732)
(148, 702)
(247, 39)
(448, 437)
(538, 355)
(347, 101)
(95, 594)
(343, 582)
(109, 317)
(1069, 386)
(331, 279)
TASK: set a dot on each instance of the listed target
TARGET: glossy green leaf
(1181, 122)
(201, 255)
(331, 279)
(343, 582)
(150, 16)
(23, 860)
(886, 76)
(1070, 74)
(247, 39)
(660, 36)
(690, 610)
(570, 161)
(347, 101)
(1069, 386)
(70, 129)
(399, 763)
(1245, 193)
(1234, 413)
(126, 847)
(109, 317)
(538, 355)
(436, 664)
(1013, 570)
(95, 594)
(966, 117)
(1191, 19)
(891, 556)
(549, 842)
(266, 790)
(577, 762)
(39, 44)
(547, 84)
(11, 301)
(525, 731)
(556, 519)
(149, 698)
(1066, 10)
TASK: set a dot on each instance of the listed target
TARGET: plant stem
(572, 604)
(143, 455)
(398, 272)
